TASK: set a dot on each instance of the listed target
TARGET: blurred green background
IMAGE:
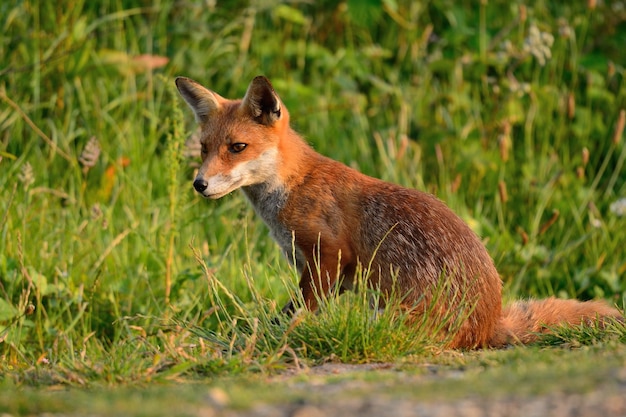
(511, 112)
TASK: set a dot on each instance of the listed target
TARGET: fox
(331, 220)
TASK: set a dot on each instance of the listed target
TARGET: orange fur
(522, 321)
(336, 220)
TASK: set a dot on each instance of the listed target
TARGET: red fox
(330, 220)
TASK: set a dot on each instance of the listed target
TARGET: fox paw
(288, 310)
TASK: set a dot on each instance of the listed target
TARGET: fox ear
(202, 101)
(262, 102)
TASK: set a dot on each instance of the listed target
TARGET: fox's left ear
(262, 103)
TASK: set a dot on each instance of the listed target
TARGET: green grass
(113, 272)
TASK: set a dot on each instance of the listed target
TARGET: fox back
(338, 221)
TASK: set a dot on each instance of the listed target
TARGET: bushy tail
(523, 320)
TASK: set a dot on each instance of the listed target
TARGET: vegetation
(113, 271)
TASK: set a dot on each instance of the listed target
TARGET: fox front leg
(289, 308)
(310, 293)
(314, 286)
(327, 271)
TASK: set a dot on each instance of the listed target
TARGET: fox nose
(200, 185)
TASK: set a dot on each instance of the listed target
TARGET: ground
(522, 381)
(356, 397)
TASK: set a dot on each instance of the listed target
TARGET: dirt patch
(597, 403)
(329, 369)
(373, 390)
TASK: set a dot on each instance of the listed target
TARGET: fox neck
(268, 203)
(268, 198)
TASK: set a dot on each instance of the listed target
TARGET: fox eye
(237, 147)
(204, 150)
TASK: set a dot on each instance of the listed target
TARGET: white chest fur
(268, 202)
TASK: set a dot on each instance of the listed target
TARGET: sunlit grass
(134, 278)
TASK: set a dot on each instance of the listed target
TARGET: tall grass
(511, 113)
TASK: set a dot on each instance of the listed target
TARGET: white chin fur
(214, 196)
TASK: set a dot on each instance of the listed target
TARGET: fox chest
(268, 204)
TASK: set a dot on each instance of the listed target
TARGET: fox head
(239, 138)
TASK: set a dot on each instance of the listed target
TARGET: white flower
(538, 44)
(618, 207)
